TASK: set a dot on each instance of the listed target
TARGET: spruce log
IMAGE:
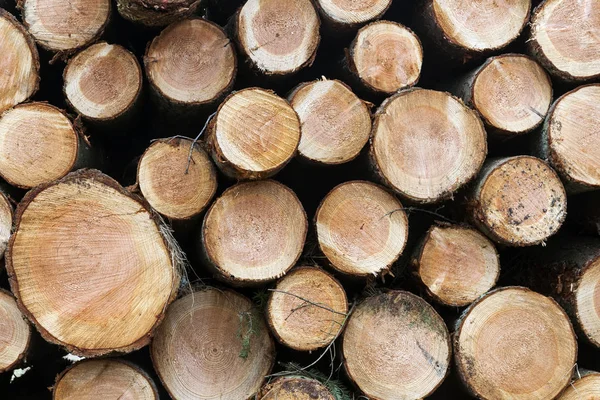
(104, 379)
(307, 309)
(6, 219)
(20, 63)
(213, 345)
(177, 181)
(254, 134)
(570, 138)
(515, 344)
(426, 144)
(90, 266)
(295, 388)
(39, 144)
(361, 228)
(254, 232)
(15, 333)
(564, 38)
(345, 15)
(586, 387)
(65, 25)
(335, 123)
(396, 346)
(385, 57)
(157, 13)
(278, 37)
(511, 92)
(456, 264)
(518, 201)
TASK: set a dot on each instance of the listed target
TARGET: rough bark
(15, 333)
(295, 388)
(157, 13)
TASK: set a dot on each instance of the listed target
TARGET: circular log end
(6, 218)
(586, 388)
(104, 379)
(191, 62)
(587, 301)
(457, 265)
(38, 144)
(307, 309)
(351, 12)
(178, 184)
(448, 151)
(157, 13)
(515, 344)
(83, 254)
(295, 388)
(254, 232)
(415, 340)
(15, 332)
(279, 36)
(212, 345)
(336, 124)
(103, 81)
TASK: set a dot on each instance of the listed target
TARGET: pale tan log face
(14, 332)
(60, 25)
(102, 81)
(6, 217)
(295, 388)
(295, 321)
(481, 24)
(104, 379)
(387, 56)
(574, 136)
(567, 32)
(192, 61)
(513, 93)
(279, 36)
(38, 144)
(396, 346)
(175, 185)
(335, 123)
(354, 11)
(361, 228)
(588, 301)
(198, 351)
(516, 344)
(586, 388)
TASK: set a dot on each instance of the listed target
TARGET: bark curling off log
(179, 182)
(90, 266)
(104, 379)
(415, 339)
(361, 228)
(6, 218)
(279, 37)
(307, 309)
(348, 14)
(157, 13)
(254, 134)
(295, 388)
(564, 38)
(254, 232)
(515, 344)
(584, 388)
(212, 345)
(518, 201)
(456, 264)
(19, 63)
(65, 25)
(426, 144)
(15, 333)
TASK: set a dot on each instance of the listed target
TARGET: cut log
(15, 333)
(65, 25)
(278, 37)
(254, 134)
(254, 232)
(39, 144)
(456, 264)
(518, 201)
(511, 92)
(90, 266)
(570, 138)
(385, 57)
(20, 63)
(564, 38)
(586, 387)
(6, 218)
(157, 13)
(426, 144)
(307, 309)
(213, 345)
(361, 228)
(177, 181)
(344, 15)
(295, 388)
(104, 379)
(336, 124)
(103, 83)
(415, 342)
(515, 344)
